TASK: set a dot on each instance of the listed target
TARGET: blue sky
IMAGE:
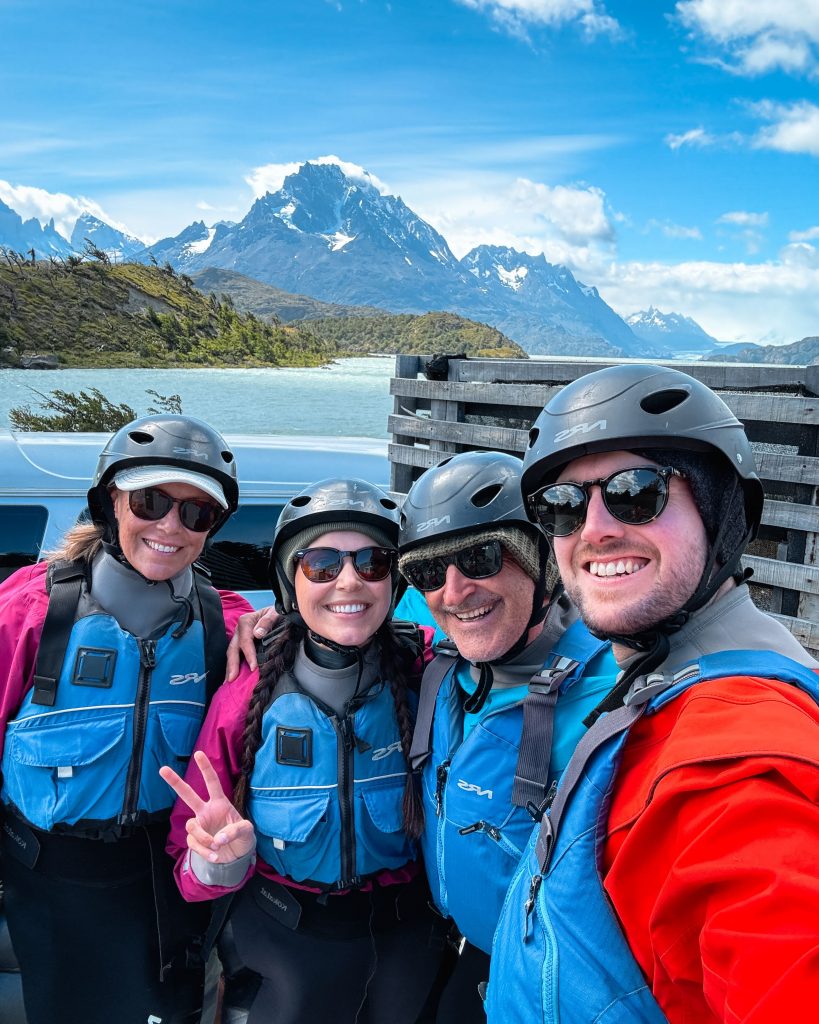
(667, 152)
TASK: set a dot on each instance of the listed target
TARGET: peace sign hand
(217, 832)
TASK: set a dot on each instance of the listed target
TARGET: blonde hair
(81, 542)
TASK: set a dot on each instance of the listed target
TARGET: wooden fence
(491, 403)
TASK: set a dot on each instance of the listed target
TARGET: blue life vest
(559, 955)
(326, 792)
(89, 760)
(475, 832)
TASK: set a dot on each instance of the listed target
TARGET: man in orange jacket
(691, 807)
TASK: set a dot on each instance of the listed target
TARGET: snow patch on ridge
(203, 244)
(513, 278)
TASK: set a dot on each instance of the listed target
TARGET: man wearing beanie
(501, 705)
(673, 876)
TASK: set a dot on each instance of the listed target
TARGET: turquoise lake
(350, 397)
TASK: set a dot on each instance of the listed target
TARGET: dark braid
(398, 663)
(280, 659)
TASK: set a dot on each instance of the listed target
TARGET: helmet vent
(227, 457)
(663, 401)
(388, 504)
(141, 437)
(301, 500)
(534, 433)
(486, 495)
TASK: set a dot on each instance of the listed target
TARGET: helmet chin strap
(654, 643)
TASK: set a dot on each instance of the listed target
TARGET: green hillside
(414, 335)
(268, 302)
(91, 313)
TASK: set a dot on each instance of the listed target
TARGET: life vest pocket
(380, 838)
(298, 831)
(169, 740)
(385, 805)
(62, 767)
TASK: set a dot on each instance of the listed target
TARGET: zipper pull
(493, 832)
(147, 653)
(440, 776)
(347, 733)
(529, 906)
(477, 827)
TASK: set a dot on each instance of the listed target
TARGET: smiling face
(622, 578)
(347, 610)
(483, 617)
(161, 549)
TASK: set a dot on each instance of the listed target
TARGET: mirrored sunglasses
(632, 496)
(321, 565)
(196, 514)
(478, 562)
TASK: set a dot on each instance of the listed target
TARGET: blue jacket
(326, 792)
(559, 954)
(123, 708)
(474, 834)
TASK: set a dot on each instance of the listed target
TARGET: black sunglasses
(478, 562)
(633, 496)
(153, 504)
(320, 565)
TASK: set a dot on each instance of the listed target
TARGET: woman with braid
(300, 808)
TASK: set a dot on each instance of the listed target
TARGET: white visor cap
(155, 476)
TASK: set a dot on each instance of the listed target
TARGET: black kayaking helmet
(464, 493)
(323, 507)
(657, 411)
(478, 493)
(183, 442)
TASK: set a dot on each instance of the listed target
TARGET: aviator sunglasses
(321, 565)
(478, 562)
(632, 496)
(152, 504)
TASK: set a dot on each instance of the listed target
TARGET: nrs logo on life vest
(187, 677)
(581, 428)
(470, 787)
(380, 752)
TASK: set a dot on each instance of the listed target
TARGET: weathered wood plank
(783, 574)
(721, 376)
(770, 465)
(417, 458)
(807, 633)
(798, 469)
(748, 408)
(791, 516)
(471, 435)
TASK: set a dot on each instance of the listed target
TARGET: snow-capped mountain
(334, 238)
(23, 236)
(341, 240)
(116, 243)
(544, 305)
(673, 331)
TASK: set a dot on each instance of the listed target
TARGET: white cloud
(794, 127)
(678, 231)
(697, 137)
(517, 16)
(744, 219)
(804, 236)
(757, 36)
(777, 299)
(30, 202)
(270, 177)
(569, 223)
